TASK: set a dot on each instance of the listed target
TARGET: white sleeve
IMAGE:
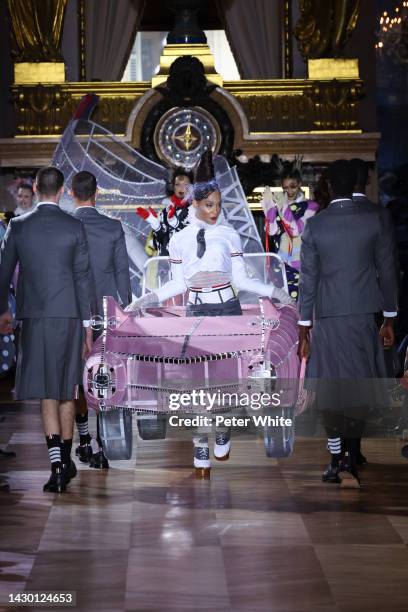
(240, 278)
(177, 284)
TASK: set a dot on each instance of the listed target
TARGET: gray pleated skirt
(346, 366)
(49, 364)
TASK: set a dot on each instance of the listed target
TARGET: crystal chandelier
(392, 34)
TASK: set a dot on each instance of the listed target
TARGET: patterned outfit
(169, 226)
(285, 226)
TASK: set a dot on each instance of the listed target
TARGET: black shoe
(349, 476)
(56, 482)
(99, 461)
(331, 475)
(6, 454)
(361, 460)
(70, 472)
(84, 452)
(404, 451)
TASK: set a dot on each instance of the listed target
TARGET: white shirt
(223, 254)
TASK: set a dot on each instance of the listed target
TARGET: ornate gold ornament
(325, 26)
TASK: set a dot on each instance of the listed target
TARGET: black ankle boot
(84, 452)
(348, 473)
(69, 471)
(56, 482)
(331, 474)
(99, 461)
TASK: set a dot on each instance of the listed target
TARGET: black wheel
(115, 427)
(151, 427)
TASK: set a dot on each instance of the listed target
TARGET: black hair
(26, 186)
(291, 174)
(361, 169)
(179, 171)
(84, 185)
(205, 169)
(288, 169)
(342, 178)
(49, 181)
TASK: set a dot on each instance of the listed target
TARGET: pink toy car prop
(140, 359)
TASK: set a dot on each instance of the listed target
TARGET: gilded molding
(320, 147)
(290, 105)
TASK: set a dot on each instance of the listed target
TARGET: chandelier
(392, 34)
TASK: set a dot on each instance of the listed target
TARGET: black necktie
(201, 246)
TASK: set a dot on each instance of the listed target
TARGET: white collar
(341, 200)
(46, 202)
(23, 211)
(90, 206)
(357, 194)
(299, 198)
(193, 220)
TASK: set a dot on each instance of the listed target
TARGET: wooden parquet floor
(263, 535)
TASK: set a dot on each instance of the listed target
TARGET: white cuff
(305, 323)
(389, 315)
(87, 323)
(153, 222)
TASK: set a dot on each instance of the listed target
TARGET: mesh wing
(236, 207)
(127, 179)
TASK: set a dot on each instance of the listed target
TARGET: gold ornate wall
(317, 117)
(293, 105)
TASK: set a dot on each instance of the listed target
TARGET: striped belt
(211, 295)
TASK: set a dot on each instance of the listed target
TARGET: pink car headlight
(104, 381)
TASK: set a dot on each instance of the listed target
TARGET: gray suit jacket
(50, 248)
(347, 263)
(108, 257)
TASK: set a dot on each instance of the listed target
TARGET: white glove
(282, 296)
(267, 201)
(149, 299)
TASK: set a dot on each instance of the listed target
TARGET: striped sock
(82, 425)
(54, 451)
(334, 445)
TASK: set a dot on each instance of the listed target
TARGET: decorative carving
(278, 113)
(40, 109)
(36, 27)
(335, 105)
(270, 106)
(32, 101)
(113, 113)
(325, 26)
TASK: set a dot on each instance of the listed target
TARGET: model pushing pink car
(142, 357)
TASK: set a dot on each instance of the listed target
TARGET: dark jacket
(53, 281)
(347, 262)
(108, 257)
